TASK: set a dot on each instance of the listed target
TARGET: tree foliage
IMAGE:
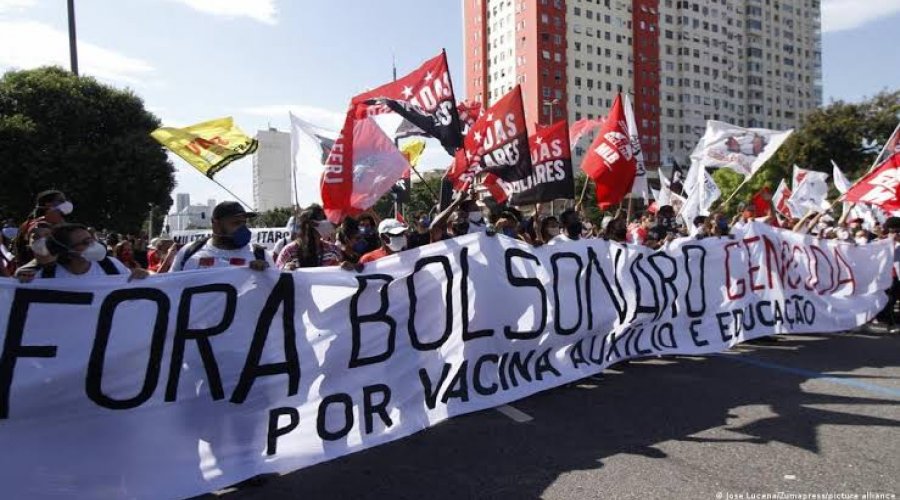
(87, 139)
(277, 217)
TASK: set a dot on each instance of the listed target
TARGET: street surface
(808, 414)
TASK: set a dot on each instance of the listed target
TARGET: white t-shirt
(94, 270)
(209, 256)
(559, 238)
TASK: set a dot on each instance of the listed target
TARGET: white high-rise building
(272, 170)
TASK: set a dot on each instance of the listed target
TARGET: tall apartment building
(753, 63)
(272, 170)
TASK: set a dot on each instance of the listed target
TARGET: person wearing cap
(229, 244)
(393, 239)
(310, 247)
(50, 206)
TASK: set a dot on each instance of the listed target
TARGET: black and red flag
(424, 98)
(496, 145)
(550, 177)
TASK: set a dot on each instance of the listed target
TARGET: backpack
(259, 251)
(49, 270)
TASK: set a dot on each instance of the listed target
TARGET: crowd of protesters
(47, 245)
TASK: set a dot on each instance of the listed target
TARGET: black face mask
(574, 230)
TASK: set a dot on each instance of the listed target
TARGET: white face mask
(862, 241)
(94, 253)
(397, 243)
(39, 247)
(325, 228)
(65, 207)
(475, 217)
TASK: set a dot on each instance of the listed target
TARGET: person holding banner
(310, 248)
(77, 254)
(229, 244)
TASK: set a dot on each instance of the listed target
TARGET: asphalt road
(807, 415)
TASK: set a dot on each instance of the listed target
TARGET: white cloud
(15, 5)
(259, 10)
(322, 117)
(29, 44)
(842, 15)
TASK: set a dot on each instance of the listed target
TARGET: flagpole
(883, 149)
(236, 197)
(587, 180)
(736, 190)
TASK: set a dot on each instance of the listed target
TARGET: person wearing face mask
(77, 254)
(570, 227)
(229, 244)
(312, 246)
(475, 217)
(51, 206)
(393, 240)
(368, 230)
(548, 229)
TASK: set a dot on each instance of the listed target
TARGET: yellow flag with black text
(209, 146)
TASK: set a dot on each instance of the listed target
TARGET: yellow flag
(413, 151)
(209, 146)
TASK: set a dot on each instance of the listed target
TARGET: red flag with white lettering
(497, 144)
(879, 187)
(337, 179)
(610, 161)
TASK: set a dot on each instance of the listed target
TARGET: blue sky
(193, 60)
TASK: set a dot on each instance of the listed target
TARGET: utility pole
(73, 49)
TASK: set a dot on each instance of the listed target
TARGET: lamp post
(73, 49)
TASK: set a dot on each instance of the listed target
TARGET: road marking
(515, 414)
(878, 389)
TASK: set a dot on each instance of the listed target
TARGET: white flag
(664, 196)
(700, 200)
(810, 195)
(780, 198)
(743, 150)
(639, 188)
(310, 145)
(841, 183)
(799, 175)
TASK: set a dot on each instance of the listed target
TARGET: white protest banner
(265, 236)
(182, 384)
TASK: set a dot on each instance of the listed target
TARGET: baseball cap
(231, 209)
(391, 226)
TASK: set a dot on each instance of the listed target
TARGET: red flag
(879, 187)
(337, 179)
(496, 144)
(761, 202)
(582, 127)
(610, 161)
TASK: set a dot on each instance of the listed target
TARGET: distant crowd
(48, 245)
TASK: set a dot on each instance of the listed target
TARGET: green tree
(277, 217)
(87, 139)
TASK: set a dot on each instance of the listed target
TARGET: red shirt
(153, 261)
(373, 255)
